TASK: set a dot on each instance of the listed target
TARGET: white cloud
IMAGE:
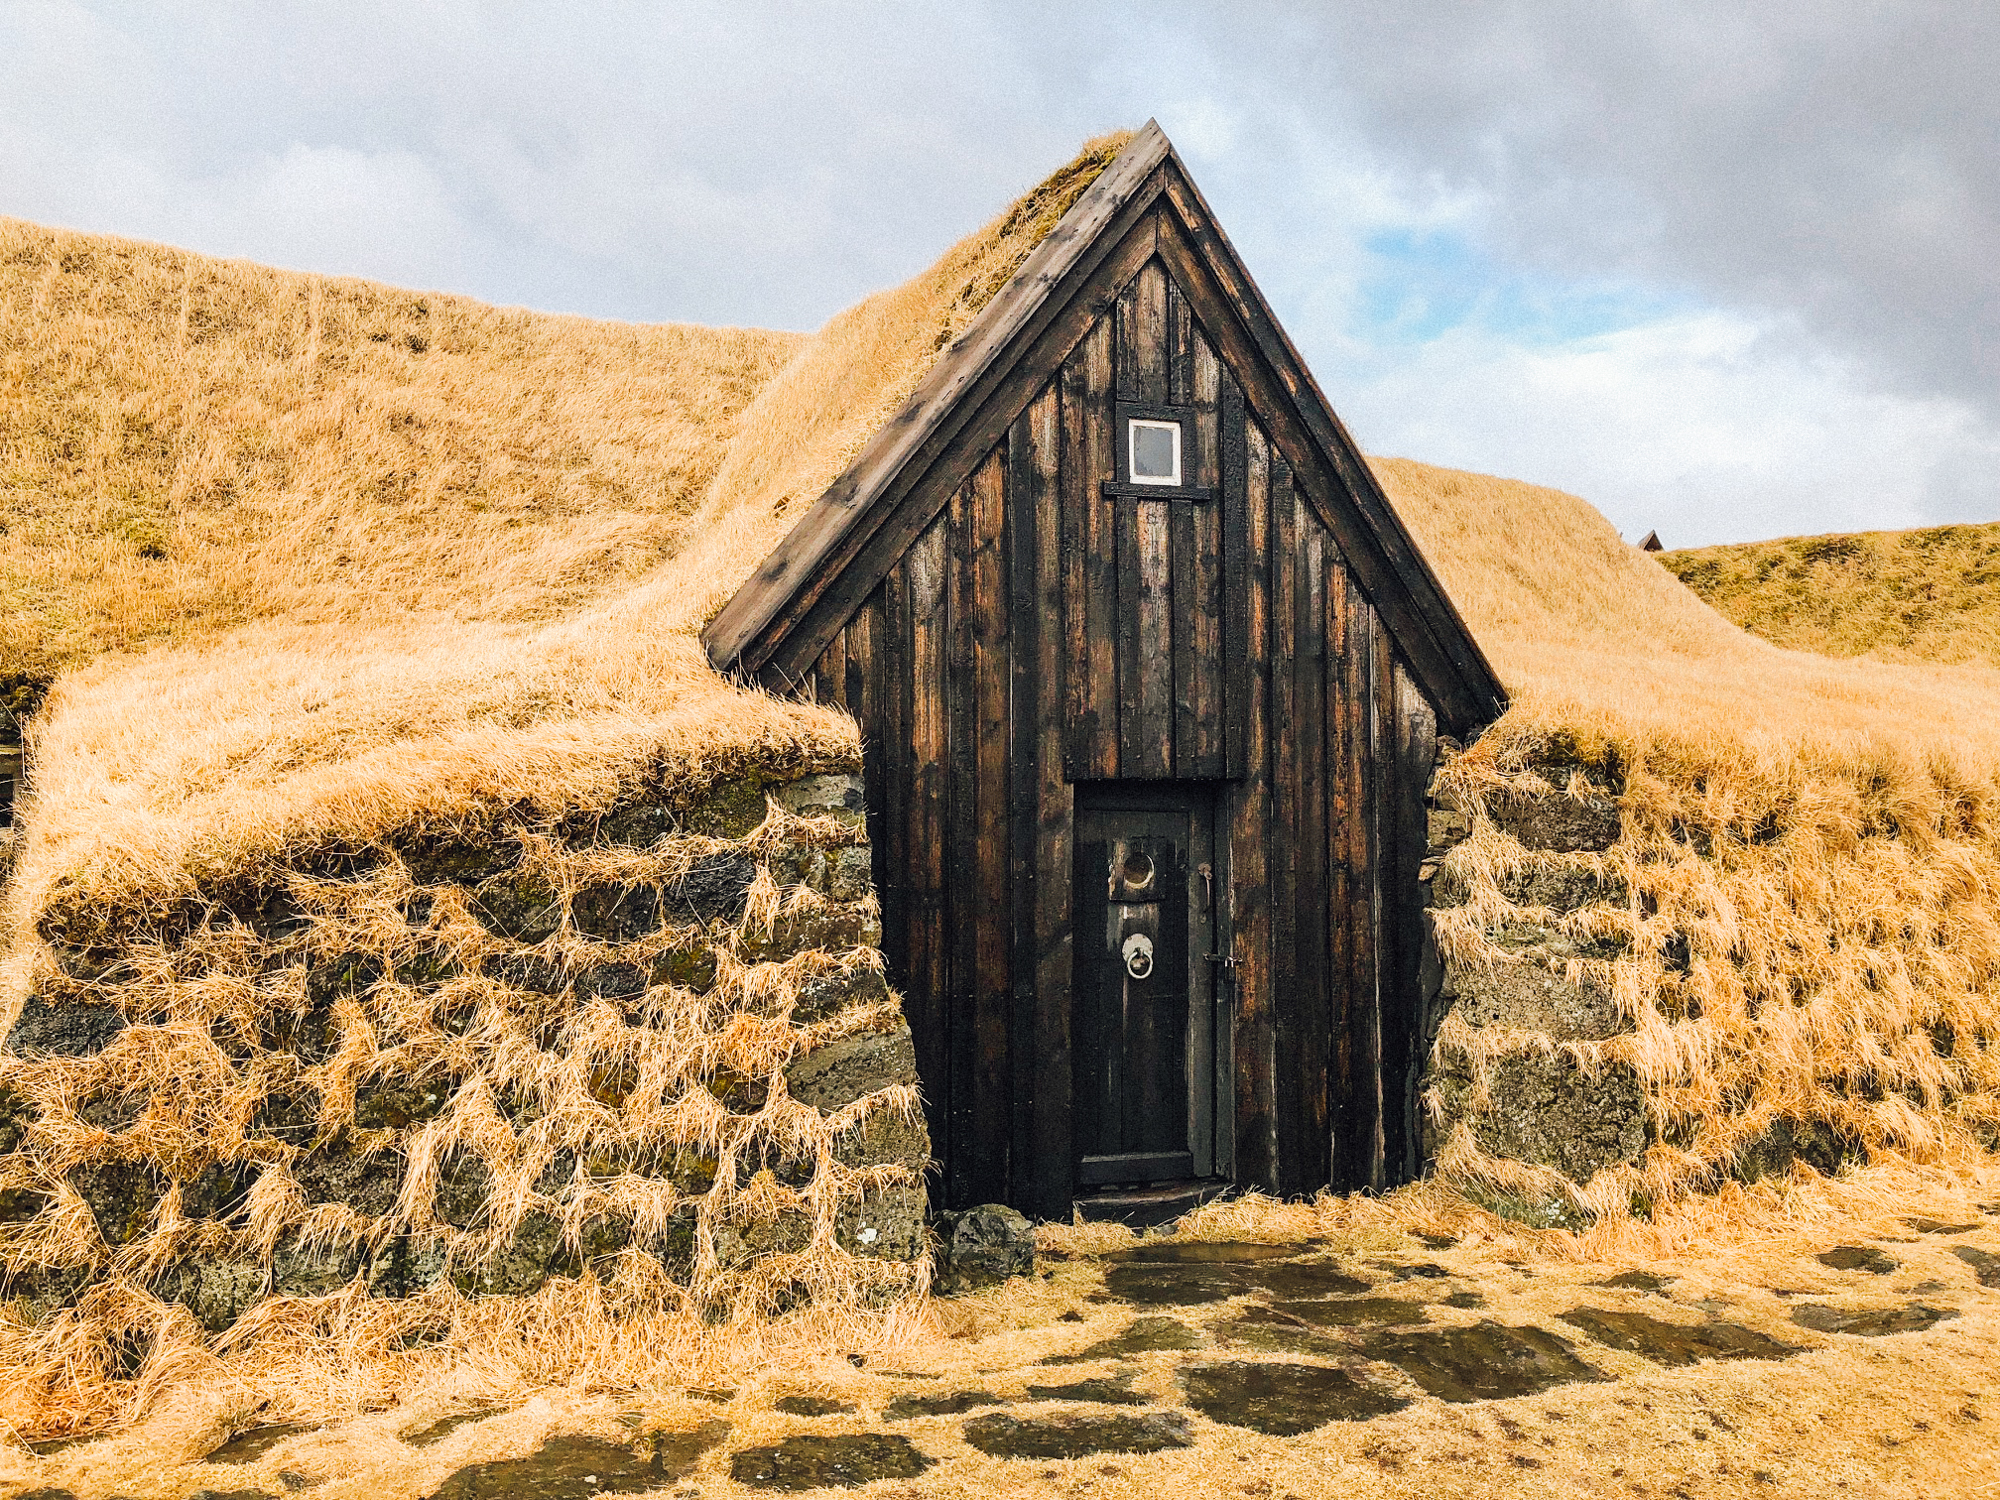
(1709, 427)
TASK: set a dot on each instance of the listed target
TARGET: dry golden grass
(187, 443)
(1909, 1415)
(1926, 595)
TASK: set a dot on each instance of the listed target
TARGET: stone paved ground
(1863, 1364)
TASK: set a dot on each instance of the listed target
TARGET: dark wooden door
(1145, 985)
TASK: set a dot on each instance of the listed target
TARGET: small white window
(1154, 456)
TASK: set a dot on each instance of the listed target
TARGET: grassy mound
(1927, 595)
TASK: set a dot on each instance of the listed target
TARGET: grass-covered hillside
(189, 444)
(1931, 595)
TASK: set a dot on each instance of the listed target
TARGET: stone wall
(652, 1044)
(1502, 1069)
(1532, 915)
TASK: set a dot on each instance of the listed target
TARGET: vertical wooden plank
(864, 701)
(1243, 1122)
(1182, 586)
(1200, 747)
(1285, 728)
(1180, 346)
(1243, 639)
(1039, 815)
(1405, 1034)
(970, 1155)
(926, 567)
(1145, 638)
(1305, 1139)
(987, 982)
(1378, 787)
(830, 673)
(1142, 336)
(1090, 592)
(1145, 628)
(1055, 852)
(1347, 678)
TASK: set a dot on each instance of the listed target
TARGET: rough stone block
(713, 890)
(833, 929)
(982, 1246)
(216, 1290)
(1531, 996)
(821, 998)
(884, 1137)
(728, 809)
(1558, 821)
(64, 1029)
(338, 1173)
(39, 1292)
(18, 1205)
(1822, 1146)
(851, 877)
(886, 1223)
(519, 909)
(15, 1117)
(841, 1072)
(395, 1102)
(299, 1270)
(122, 1196)
(1561, 887)
(1548, 1112)
(217, 1191)
(405, 1266)
(465, 1182)
(837, 796)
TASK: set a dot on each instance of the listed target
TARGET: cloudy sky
(1730, 271)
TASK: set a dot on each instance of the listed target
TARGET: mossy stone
(521, 909)
(465, 1183)
(342, 1172)
(395, 1102)
(122, 1196)
(727, 809)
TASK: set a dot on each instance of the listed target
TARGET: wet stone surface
(1985, 1264)
(1353, 1312)
(1858, 1258)
(1637, 1281)
(1488, 1361)
(811, 1406)
(1870, 1322)
(1189, 1282)
(1002, 1436)
(1141, 1336)
(813, 1462)
(577, 1467)
(957, 1403)
(1284, 1400)
(1203, 1252)
(250, 1445)
(444, 1427)
(1675, 1343)
(1115, 1390)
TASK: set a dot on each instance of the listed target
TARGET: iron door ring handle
(1138, 955)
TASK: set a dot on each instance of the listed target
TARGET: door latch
(1138, 955)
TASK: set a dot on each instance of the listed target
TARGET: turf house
(535, 839)
(1149, 677)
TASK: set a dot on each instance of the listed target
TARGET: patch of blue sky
(1423, 284)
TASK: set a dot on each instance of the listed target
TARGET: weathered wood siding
(1039, 633)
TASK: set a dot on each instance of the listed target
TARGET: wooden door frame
(1208, 801)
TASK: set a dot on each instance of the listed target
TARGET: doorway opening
(1152, 1000)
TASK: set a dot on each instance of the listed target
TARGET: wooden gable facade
(1148, 716)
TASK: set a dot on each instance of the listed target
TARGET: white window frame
(1132, 426)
